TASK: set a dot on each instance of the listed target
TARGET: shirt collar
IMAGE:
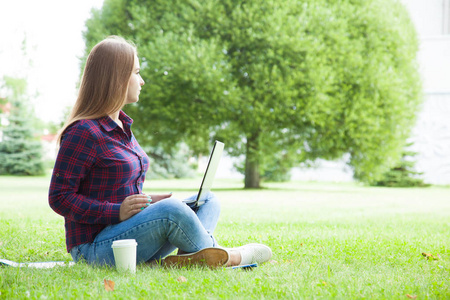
(109, 125)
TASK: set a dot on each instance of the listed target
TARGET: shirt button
(57, 174)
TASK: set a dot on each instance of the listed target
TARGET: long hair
(104, 83)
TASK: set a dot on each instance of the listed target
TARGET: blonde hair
(104, 84)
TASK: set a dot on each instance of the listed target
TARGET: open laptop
(208, 177)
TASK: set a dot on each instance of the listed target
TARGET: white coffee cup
(125, 255)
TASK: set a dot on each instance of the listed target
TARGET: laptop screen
(208, 177)
(210, 173)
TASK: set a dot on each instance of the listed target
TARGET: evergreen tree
(20, 151)
(403, 174)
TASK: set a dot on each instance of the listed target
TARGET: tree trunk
(252, 163)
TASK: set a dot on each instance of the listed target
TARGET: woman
(99, 172)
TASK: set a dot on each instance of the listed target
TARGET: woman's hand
(132, 205)
(136, 203)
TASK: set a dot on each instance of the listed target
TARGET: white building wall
(431, 138)
(428, 15)
(431, 135)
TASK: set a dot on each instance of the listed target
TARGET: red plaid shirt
(97, 167)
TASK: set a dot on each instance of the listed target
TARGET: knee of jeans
(175, 207)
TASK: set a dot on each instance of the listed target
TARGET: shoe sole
(208, 257)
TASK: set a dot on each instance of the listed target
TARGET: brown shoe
(208, 257)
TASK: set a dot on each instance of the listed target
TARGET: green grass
(341, 241)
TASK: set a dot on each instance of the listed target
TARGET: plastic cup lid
(124, 243)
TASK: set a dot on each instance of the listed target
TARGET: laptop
(208, 177)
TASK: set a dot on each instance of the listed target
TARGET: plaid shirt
(97, 167)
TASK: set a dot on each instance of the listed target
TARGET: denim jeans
(158, 230)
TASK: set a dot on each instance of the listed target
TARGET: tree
(20, 152)
(278, 81)
(403, 174)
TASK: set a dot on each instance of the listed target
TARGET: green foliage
(311, 78)
(403, 174)
(173, 164)
(20, 152)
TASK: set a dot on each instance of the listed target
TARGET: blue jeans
(158, 230)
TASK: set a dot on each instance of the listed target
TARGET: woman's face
(135, 83)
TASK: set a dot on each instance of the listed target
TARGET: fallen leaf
(431, 256)
(272, 262)
(181, 279)
(324, 283)
(411, 296)
(109, 285)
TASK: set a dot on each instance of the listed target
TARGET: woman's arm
(74, 161)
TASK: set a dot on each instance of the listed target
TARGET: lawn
(329, 240)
